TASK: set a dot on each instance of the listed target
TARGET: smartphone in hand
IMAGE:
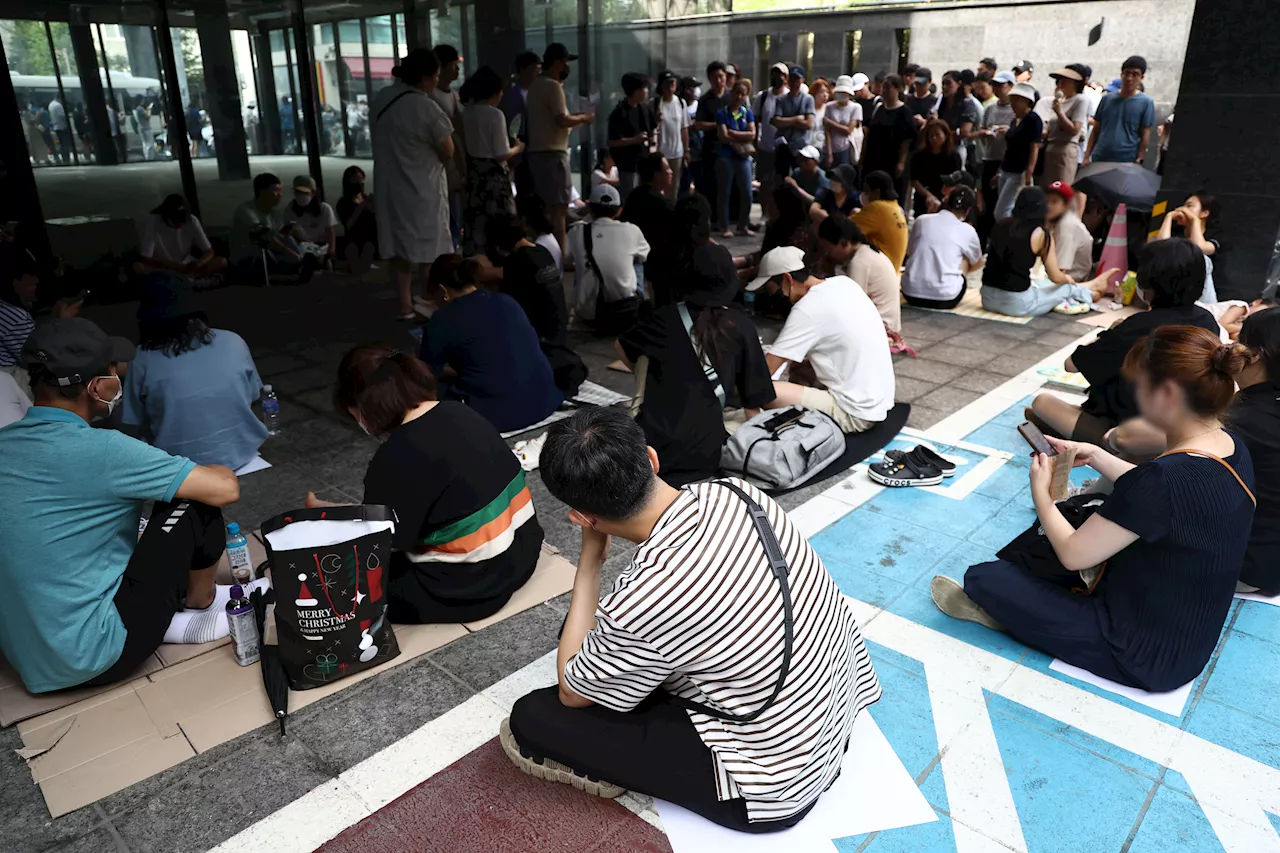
(1036, 439)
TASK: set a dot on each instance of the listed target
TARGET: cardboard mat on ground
(104, 740)
(971, 306)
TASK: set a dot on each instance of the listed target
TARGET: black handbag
(1032, 550)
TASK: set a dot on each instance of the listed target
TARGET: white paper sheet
(874, 793)
(257, 463)
(1170, 703)
(1273, 600)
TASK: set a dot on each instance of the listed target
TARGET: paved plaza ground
(1008, 754)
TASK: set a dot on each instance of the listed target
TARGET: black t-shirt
(886, 131)
(1255, 419)
(449, 476)
(366, 228)
(1009, 256)
(928, 168)
(530, 277)
(681, 416)
(826, 200)
(923, 107)
(1018, 141)
(708, 105)
(1110, 397)
(650, 211)
(959, 111)
(869, 106)
(625, 122)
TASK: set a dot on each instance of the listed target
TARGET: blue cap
(1115, 85)
(233, 528)
(797, 71)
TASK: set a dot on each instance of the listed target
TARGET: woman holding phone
(489, 147)
(1165, 547)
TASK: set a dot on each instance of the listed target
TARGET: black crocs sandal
(904, 469)
(927, 455)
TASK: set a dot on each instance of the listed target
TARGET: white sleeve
(147, 239)
(199, 238)
(972, 246)
(326, 213)
(797, 337)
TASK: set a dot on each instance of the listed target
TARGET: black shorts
(784, 162)
(181, 537)
(1093, 429)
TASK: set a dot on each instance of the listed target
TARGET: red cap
(1062, 188)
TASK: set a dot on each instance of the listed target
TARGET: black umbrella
(1117, 183)
(274, 679)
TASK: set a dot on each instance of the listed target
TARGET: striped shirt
(699, 613)
(15, 327)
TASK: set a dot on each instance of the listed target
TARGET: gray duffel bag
(782, 448)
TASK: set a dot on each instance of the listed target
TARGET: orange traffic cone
(1115, 252)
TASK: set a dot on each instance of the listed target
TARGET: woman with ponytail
(1255, 418)
(1164, 550)
(466, 536)
(682, 416)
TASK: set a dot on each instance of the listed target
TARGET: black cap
(923, 72)
(174, 207)
(73, 350)
(557, 52)
(959, 176)
(690, 82)
(665, 76)
(711, 280)
(990, 62)
(1023, 65)
(167, 297)
(1083, 70)
(880, 182)
(967, 77)
(845, 174)
(1137, 62)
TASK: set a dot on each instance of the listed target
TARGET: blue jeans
(1010, 186)
(627, 181)
(1037, 299)
(839, 158)
(728, 170)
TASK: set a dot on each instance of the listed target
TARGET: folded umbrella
(1119, 183)
(274, 679)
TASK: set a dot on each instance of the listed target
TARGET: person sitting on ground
(683, 409)
(258, 229)
(359, 243)
(840, 195)
(315, 225)
(808, 176)
(605, 172)
(1172, 534)
(649, 209)
(173, 240)
(942, 250)
(539, 228)
(1016, 244)
(881, 217)
(19, 285)
(935, 156)
(190, 389)
(1255, 419)
(467, 536)
(835, 328)
(608, 258)
(630, 663)
(1072, 242)
(1192, 221)
(482, 347)
(1170, 278)
(528, 274)
(844, 244)
(112, 599)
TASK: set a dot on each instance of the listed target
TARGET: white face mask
(114, 401)
(301, 199)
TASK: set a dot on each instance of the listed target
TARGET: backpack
(782, 449)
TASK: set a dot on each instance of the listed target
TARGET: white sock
(204, 626)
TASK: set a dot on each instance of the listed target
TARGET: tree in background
(27, 47)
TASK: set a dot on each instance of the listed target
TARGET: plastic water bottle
(749, 302)
(238, 555)
(270, 410)
(244, 627)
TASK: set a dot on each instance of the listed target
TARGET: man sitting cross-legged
(835, 328)
(86, 601)
(698, 617)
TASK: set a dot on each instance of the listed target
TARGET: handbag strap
(778, 565)
(1224, 463)
(358, 512)
(708, 369)
(391, 103)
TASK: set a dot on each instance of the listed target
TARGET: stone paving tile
(908, 389)
(487, 657)
(25, 826)
(946, 399)
(981, 381)
(926, 368)
(923, 417)
(983, 341)
(957, 356)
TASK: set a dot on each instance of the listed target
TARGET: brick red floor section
(483, 804)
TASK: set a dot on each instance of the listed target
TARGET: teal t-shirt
(73, 496)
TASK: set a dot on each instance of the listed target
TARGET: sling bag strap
(358, 512)
(1224, 463)
(778, 565)
(708, 369)
(391, 103)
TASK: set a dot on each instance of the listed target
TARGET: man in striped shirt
(698, 616)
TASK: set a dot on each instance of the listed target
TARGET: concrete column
(1221, 143)
(19, 196)
(499, 34)
(95, 99)
(268, 100)
(141, 51)
(222, 90)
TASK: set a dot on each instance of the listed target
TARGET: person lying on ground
(190, 389)
(683, 409)
(1255, 419)
(467, 536)
(1016, 244)
(943, 249)
(483, 349)
(258, 231)
(630, 663)
(87, 601)
(835, 328)
(173, 240)
(1168, 542)
(853, 253)
(608, 262)
(1170, 278)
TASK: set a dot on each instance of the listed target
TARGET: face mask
(114, 401)
(301, 199)
(842, 98)
(564, 74)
